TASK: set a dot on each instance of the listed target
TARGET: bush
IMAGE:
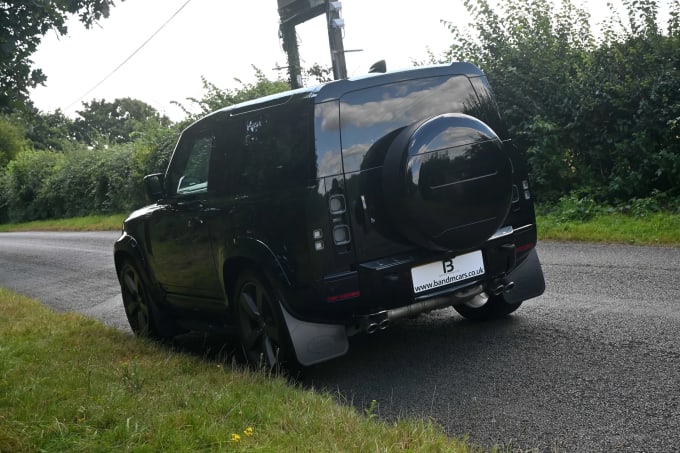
(91, 182)
(23, 185)
(575, 208)
(11, 141)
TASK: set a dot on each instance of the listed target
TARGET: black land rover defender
(309, 216)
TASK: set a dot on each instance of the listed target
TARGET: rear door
(371, 118)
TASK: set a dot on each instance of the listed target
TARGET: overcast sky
(220, 40)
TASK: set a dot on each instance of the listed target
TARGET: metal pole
(335, 42)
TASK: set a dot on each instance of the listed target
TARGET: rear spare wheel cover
(447, 182)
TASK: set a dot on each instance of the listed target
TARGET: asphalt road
(592, 365)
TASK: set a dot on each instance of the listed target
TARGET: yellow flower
(249, 431)
(235, 438)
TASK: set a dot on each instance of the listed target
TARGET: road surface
(592, 365)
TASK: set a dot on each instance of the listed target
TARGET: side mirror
(154, 186)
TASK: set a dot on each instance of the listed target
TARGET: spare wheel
(447, 182)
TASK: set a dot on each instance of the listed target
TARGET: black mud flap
(314, 342)
(528, 278)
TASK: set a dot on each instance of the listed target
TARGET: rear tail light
(524, 247)
(341, 235)
(337, 205)
(340, 232)
(337, 208)
(344, 296)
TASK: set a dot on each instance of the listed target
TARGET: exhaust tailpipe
(499, 286)
(372, 323)
(382, 320)
(368, 326)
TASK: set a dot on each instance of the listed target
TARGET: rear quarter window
(269, 149)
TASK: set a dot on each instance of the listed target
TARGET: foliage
(51, 131)
(317, 74)
(127, 140)
(598, 114)
(11, 141)
(90, 182)
(43, 184)
(103, 122)
(216, 98)
(22, 26)
(21, 187)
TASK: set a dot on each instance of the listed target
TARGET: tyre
(486, 308)
(139, 307)
(261, 329)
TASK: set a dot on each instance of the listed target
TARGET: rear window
(371, 117)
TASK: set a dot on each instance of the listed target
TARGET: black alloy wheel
(137, 302)
(261, 329)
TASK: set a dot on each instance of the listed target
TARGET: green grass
(89, 223)
(650, 229)
(68, 383)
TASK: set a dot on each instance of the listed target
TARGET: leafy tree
(216, 98)
(103, 122)
(22, 26)
(11, 141)
(630, 106)
(52, 131)
(597, 114)
(318, 74)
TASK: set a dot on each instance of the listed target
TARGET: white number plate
(448, 272)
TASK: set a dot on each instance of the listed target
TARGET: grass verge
(68, 383)
(90, 223)
(650, 229)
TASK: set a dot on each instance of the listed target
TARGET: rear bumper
(317, 342)
(386, 283)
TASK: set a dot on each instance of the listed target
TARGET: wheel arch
(127, 248)
(256, 255)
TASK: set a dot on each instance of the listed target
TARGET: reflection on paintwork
(327, 139)
(451, 135)
(369, 115)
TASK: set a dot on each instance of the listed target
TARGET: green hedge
(46, 184)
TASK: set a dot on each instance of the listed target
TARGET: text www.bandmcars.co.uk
(448, 280)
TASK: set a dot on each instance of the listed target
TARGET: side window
(188, 173)
(271, 149)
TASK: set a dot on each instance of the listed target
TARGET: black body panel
(334, 194)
